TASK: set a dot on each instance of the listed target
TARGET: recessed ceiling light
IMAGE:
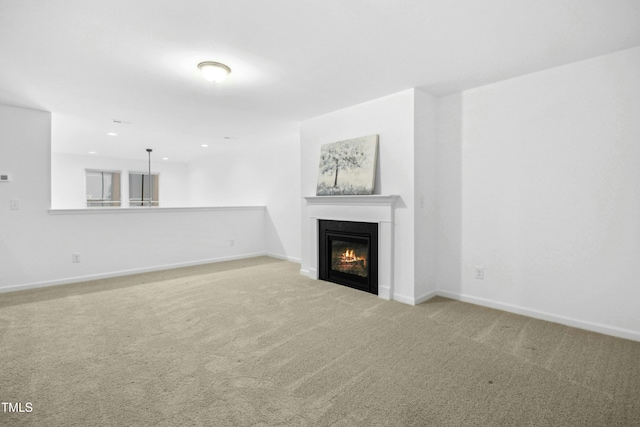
(165, 158)
(214, 71)
(205, 145)
(93, 152)
(112, 134)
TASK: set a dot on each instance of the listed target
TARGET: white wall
(425, 194)
(229, 177)
(283, 222)
(550, 193)
(24, 152)
(267, 175)
(392, 118)
(36, 247)
(449, 193)
(68, 179)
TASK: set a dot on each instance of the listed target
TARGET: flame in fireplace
(349, 257)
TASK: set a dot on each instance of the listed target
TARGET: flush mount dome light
(214, 71)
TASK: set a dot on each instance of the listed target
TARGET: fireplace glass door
(348, 254)
(349, 257)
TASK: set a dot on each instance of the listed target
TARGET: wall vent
(5, 177)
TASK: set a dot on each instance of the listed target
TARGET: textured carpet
(254, 343)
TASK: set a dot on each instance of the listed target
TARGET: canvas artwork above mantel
(348, 167)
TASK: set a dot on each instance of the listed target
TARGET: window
(103, 189)
(142, 190)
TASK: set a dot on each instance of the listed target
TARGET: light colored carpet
(254, 343)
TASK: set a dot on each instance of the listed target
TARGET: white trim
(373, 200)
(589, 326)
(425, 297)
(139, 210)
(101, 170)
(403, 299)
(284, 257)
(77, 279)
(143, 173)
(414, 301)
(384, 292)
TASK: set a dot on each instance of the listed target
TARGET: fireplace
(348, 254)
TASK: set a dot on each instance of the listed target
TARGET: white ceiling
(92, 61)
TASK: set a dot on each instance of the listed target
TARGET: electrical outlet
(75, 257)
(480, 273)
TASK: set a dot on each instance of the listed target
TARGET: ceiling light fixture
(112, 134)
(214, 71)
(204, 145)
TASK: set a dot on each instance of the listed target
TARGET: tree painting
(348, 167)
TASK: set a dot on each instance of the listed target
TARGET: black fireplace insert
(348, 254)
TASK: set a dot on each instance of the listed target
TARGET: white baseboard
(425, 297)
(89, 277)
(580, 324)
(311, 273)
(414, 301)
(384, 292)
(403, 299)
(284, 257)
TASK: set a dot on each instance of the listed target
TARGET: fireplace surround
(348, 254)
(377, 209)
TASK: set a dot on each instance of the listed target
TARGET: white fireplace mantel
(375, 208)
(374, 200)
